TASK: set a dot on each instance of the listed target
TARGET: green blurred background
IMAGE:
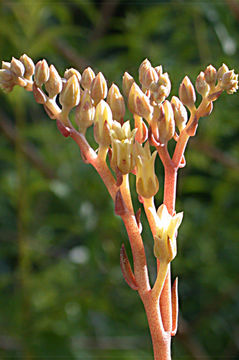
(62, 294)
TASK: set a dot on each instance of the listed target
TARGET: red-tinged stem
(125, 191)
(139, 258)
(161, 340)
(151, 213)
(180, 147)
(170, 181)
(84, 146)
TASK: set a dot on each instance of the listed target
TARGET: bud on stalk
(138, 102)
(187, 93)
(116, 103)
(28, 65)
(41, 73)
(54, 84)
(88, 76)
(128, 81)
(98, 88)
(70, 95)
(103, 122)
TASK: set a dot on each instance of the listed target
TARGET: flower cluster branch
(157, 121)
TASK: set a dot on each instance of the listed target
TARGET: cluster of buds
(17, 72)
(212, 81)
(105, 110)
(154, 81)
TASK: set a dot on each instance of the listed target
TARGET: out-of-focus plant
(122, 151)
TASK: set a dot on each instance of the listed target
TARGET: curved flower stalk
(157, 122)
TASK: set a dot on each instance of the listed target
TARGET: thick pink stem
(161, 340)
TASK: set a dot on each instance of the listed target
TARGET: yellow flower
(165, 246)
(146, 181)
(103, 123)
(122, 139)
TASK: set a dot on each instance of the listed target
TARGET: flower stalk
(124, 152)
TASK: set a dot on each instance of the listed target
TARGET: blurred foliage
(62, 293)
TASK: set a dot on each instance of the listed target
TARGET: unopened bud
(41, 72)
(162, 123)
(69, 72)
(202, 86)
(128, 81)
(230, 82)
(138, 102)
(87, 77)
(210, 75)
(28, 65)
(159, 70)
(70, 95)
(54, 84)
(98, 88)
(150, 78)
(17, 67)
(116, 103)
(221, 71)
(6, 65)
(161, 90)
(103, 122)
(85, 112)
(6, 80)
(144, 66)
(180, 113)
(187, 93)
(5, 75)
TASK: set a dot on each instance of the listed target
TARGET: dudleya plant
(157, 121)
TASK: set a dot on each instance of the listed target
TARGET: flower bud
(70, 95)
(165, 246)
(161, 90)
(122, 139)
(230, 82)
(103, 123)
(159, 70)
(187, 93)
(128, 81)
(146, 181)
(162, 123)
(210, 75)
(138, 102)
(202, 86)
(54, 84)
(221, 71)
(116, 103)
(41, 72)
(85, 112)
(87, 77)
(98, 88)
(28, 65)
(180, 113)
(144, 66)
(17, 67)
(69, 72)
(5, 75)
(150, 78)
(6, 65)
(6, 80)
